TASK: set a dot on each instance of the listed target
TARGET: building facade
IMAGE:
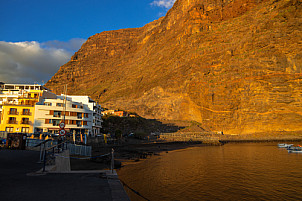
(50, 113)
(17, 118)
(33, 108)
(96, 112)
(119, 113)
(80, 115)
(17, 106)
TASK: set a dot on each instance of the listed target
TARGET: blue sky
(38, 36)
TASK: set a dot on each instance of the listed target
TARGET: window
(73, 114)
(13, 111)
(54, 122)
(72, 122)
(79, 115)
(60, 105)
(74, 106)
(25, 120)
(26, 112)
(48, 104)
(12, 120)
(25, 130)
(9, 129)
(57, 113)
(86, 115)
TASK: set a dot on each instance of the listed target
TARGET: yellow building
(17, 118)
(17, 106)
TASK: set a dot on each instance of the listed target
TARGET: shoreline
(131, 153)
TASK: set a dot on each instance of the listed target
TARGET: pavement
(21, 179)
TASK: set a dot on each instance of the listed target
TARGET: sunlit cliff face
(231, 65)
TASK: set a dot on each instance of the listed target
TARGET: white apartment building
(96, 111)
(81, 115)
(17, 94)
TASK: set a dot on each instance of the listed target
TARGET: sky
(39, 36)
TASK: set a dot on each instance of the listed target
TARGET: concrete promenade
(20, 180)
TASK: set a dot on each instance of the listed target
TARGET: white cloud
(72, 45)
(163, 3)
(32, 62)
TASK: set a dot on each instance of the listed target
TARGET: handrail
(43, 142)
(53, 151)
(54, 146)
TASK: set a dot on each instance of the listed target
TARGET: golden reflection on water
(252, 171)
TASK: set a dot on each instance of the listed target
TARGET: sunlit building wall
(50, 112)
(17, 109)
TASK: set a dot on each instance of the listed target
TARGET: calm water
(259, 171)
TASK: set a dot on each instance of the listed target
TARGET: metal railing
(79, 150)
(27, 113)
(25, 122)
(49, 150)
(48, 154)
(13, 113)
(12, 122)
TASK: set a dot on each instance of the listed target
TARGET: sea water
(249, 171)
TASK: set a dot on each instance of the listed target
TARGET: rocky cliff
(232, 65)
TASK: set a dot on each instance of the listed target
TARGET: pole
(44, 158)
(65, 97)
(65, 102)
(40, 153)
(112, 160)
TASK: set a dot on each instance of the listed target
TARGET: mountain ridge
(230, 65)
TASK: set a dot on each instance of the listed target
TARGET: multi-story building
(21, 94)
(119, 113)
(96, 112)
(33, 108)
(79, 115)
(17, 106)
(17, 118)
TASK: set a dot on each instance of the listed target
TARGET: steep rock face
(231, 65)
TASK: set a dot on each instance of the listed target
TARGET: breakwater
(214, 137)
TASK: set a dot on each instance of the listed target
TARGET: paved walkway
(19, 181)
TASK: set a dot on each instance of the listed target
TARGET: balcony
(12, 122)
(13, 113)
(25, 122)
(26, 113)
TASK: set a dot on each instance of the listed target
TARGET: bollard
(112, 160)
